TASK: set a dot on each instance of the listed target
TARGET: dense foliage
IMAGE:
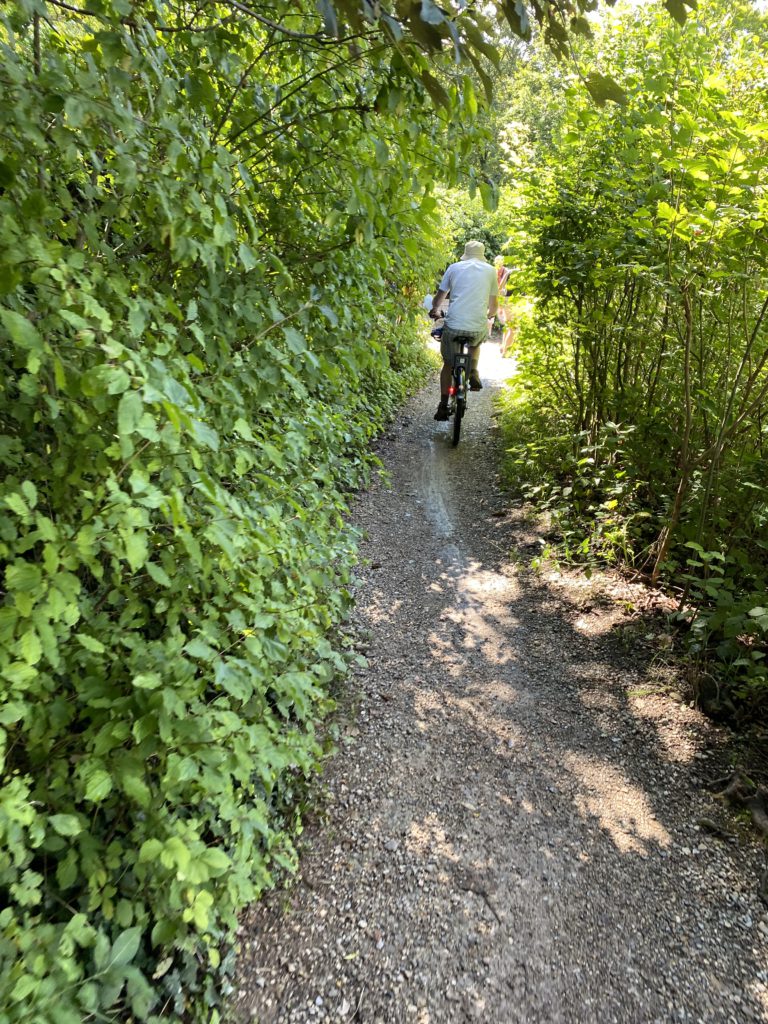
(213, 219)
(639, 231)
(208, 237)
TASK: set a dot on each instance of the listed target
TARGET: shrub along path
(513, 827)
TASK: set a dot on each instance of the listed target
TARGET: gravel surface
(513, 827)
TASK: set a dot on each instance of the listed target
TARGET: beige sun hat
(474, 251)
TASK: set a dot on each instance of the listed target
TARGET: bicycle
(457, 392)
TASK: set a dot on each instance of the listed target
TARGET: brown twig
(130, 23)
(277, 323)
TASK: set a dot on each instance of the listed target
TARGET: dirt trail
(512, 824)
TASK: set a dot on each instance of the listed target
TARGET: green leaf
(329, 315)
(603, 88)
(98, 784)
(66, 871)
(30, 493)
(81, 931)
(91, 643)
(205, 434)
(243, 429)
(489, 195)
(294, 340)
(198, 648)
(581, 27)
(485, 78)
(274, 454)
(479, 42)
(677, 9)
(101, 951)
(25, 577)
(21, 330)
(247, 257)
(217, 861)
(16, 504)
(65, 824)
(7, 175)
(136, 549)
(382, 152)
(393, 25)
(116, 379)
(125, 947)
(150, 851)
(328, 14)
(516, 14)
(129, 412)
(147, 681)
(162, 968)
(11, 712)
(10, 278)
(158, 574)
(24, 988)
(175, 854)
(666, 212)
(30, 647)
(436, 91)
(431, 13)
(8, 619)
(136, 788)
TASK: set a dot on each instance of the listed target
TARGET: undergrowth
(599, 514)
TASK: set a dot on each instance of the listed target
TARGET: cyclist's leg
(474, 374)
(446, 372)
(447, 349)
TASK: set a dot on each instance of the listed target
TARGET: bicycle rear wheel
(457, 418)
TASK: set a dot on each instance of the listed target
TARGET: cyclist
(473, 290)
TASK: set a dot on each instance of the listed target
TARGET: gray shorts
(448, 346)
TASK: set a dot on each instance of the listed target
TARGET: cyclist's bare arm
(437, 302)
(493, 306)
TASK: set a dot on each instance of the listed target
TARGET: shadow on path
(512, 832)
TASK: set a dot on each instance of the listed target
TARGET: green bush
(643, 379)
(175, 555)
(185, 407)
(165, 660)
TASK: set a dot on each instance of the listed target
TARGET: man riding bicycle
(473, 289)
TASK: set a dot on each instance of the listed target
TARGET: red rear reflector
(451, 390)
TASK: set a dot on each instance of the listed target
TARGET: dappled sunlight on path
(512, 821)
(622, 809)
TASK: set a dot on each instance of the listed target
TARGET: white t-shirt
(470, 284)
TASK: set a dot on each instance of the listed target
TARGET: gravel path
(512, 823)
